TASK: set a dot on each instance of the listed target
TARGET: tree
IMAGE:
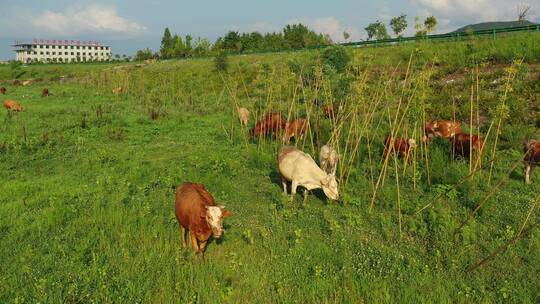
(346, 35)
(377, 30)
(144, 55)
(429, 24)
(167, 44)
(522, 12)
(399, 24)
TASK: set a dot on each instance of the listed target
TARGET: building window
(72, 53)
(41, 53)
(65, 53)
(54, 46)
(54, 53)
(71, 47)
(47, 53)
(78, 47)
(78, 53)
(46, 46)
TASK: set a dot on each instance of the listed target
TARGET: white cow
(300, 169)
(328, 158)
(243, 116)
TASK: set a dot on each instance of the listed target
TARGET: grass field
(88, 178)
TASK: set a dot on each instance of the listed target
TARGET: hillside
(89, 175)
(485, 26)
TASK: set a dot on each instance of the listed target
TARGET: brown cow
(462, 143)
(12, 105)
(401, 146)
(196, 211)
(118, 90)
(532, 158)
(329, 111)
(243, 116)
(296, 128)
(441, 128)
(272, 123)
(45, 92)
(3, 90)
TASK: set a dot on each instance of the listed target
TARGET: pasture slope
(88, 176)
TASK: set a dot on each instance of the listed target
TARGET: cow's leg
(528, 173)
(306, 192)
(284, 183)
(294, 185)
(194, 242)
(203, 247)
(183, 231)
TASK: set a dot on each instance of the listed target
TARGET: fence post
(538, 27)
(494, 34)
(458, 37)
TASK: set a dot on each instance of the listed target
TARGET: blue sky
(131, 25)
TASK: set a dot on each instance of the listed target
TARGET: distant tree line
(291, 37)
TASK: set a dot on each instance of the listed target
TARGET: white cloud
(73, 20)
(329, 25)
(93, 18)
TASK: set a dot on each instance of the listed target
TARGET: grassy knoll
(88, 177)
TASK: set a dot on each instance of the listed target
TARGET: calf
(12, 105)
(272, 123)
(401, 146)
(300, 169)
(296, 128)
(441, 128)
(462, 144)
(243, 116)
(197, 212)
(45, 92)
(328, 158)
(3, 90)
(118, 90)
(532, 158)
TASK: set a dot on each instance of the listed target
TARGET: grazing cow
(45, 92)
(296, 128)
(243, 116)
(328, 158)
(27, 82)
(401, 146)
(12, 105)
(329, 111)
(532, 158)
(300, 169)
(272, 123)
(3, 90)
(441, 128)
(197, 212)
(16, 82)
(462, 143)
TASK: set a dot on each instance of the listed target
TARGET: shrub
(337, 57)
(221, 62)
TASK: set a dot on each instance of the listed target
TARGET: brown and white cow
(271, 124)
(3, 90)
(531, 158)
(441, 128)
(296, 128)
(328, 159)
(45, 92)
(300, 169)
(197, 212)
(462, 144)
(243, 116)
(401, 146)
(12, 105)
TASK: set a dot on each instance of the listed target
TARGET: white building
(61, 51)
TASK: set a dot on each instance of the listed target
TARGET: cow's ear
(227, 213)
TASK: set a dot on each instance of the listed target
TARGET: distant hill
(493, 25)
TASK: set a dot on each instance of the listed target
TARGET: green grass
(87, 195)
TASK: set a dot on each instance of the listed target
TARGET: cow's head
(330, 187)
(214, 217)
